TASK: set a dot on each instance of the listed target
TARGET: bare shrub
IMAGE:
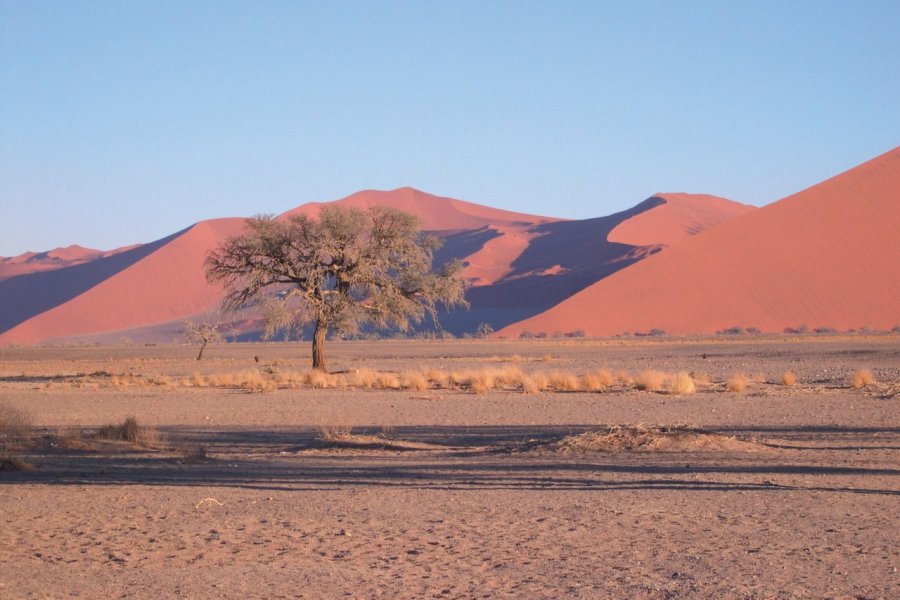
(414, 380)
(860, 378)
(191, 454)
(563, 381)
(737, 383)
(15, 425)
(129, 431)
(649, 380)
(787, 379)
(680, 383)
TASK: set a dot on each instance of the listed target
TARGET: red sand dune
(828, 256)
(518, 265)
(58, 258)
(435, 212)
(680, 215)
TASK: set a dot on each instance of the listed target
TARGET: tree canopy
(347, 268)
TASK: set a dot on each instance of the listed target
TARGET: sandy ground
(459, 495)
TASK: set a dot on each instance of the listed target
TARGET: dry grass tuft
(860, 378)
(387, 381)
(508, 376)
(737, 383)
(563, 381)
(414, 380)
(624, 378)
(481, 381)
(679, 384)
(129, 431)
(701, 379)
(331, 433)
(529, 385)
(438, 377)
(650, 381)
(541, 381)
(364, 377)
(787, 379)
(197, 380)
(319, 379)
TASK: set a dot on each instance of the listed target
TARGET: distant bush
(540, 334)
(656, 332)
(679, 384)
(788, 379)
(796, 330)
(895, 329)
(736, 383)
(732, 331)
(575, 334)
(526, 335)
(753, 330)
(824, 330)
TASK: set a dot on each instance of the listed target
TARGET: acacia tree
(204, 331)
(347, 268)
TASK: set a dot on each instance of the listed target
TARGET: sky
(123, 122)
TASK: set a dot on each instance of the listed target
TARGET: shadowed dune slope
(166, 283)
(58, 258)
(828, 256)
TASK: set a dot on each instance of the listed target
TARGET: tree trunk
(202, 348)
(318, 346)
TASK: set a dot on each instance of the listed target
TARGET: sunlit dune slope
(828, 256)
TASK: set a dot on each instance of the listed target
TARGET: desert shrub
(656, 332)
(732, 331)
(191, 454)
(563, 381)
(821, 330)
(129, 431)
(753, 330)
(787, 379)
(527, 335)
(414, 380)
(895, 329)
(796, 330)
(15, 425)
(736, 383)
(649, 381)
(679, 384)
(860, 378)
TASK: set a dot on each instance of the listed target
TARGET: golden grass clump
(319, 379)
(387, 381)
(541, 381)
(649, 380)
(197, 380)
(679, 384)
(508, 376)
(860, 378)
(129, 431)
(701, 378)
(624, 378)
(438, 377)
(481, 381)
(787, 379)
(291, 379)
(160, 380)
(737, 383)
(414, 380)
(529, 385)
(597, 381)
(563, 381)
(364, 377)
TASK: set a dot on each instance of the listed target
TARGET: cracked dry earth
(448, 494)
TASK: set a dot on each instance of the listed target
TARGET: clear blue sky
(122, 122)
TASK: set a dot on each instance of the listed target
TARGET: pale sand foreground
(476, 507)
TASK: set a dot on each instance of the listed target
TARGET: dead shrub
(414, 380)
(129, 431)
(737, 383)
(787, 379)
(649, 381)
(563, 381)
(191, 454)
(15, 425)
(860, 378)
(679, 384)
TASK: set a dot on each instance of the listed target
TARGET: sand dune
(828, 256)
(517, 266)
(58, 258)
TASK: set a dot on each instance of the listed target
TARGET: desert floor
(445, 493)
